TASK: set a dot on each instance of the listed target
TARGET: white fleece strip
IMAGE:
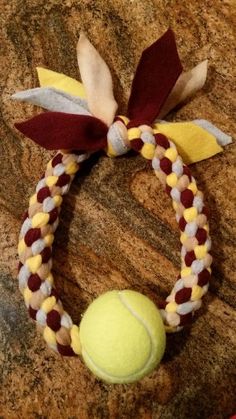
(222, 138)
(53, 100)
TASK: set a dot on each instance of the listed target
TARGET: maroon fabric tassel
(156, 75)
(58, 130)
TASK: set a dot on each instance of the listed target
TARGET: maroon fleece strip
(156, 75)
(58, 130)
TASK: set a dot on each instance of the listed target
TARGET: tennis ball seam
(130, 309)
(106, 374)
(113, 377)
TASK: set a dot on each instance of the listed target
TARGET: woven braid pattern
(191, 215)
(42, 217)
(35, 254)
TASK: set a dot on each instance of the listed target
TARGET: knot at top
(124, 135)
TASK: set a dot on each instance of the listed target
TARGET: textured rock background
(117, 228)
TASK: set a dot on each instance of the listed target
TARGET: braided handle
(41, 221)
(35, 254)
(192, 217)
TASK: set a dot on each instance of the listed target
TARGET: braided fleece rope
(41, 221)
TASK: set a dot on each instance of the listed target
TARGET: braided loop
(41, 221)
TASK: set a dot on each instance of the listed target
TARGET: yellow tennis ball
(122, 336)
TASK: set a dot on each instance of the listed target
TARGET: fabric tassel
(54, 100)
(97, 81)
(82, 114)
(57, 130)
(156, 74)
(49, 78)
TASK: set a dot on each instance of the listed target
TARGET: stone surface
(117, 227)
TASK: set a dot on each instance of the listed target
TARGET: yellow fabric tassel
(193, 142)
(48, 78)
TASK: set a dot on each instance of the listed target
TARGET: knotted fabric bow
(83, 116)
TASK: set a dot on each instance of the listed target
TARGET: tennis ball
(122, 336)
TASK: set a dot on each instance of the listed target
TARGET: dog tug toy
(122, 334)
